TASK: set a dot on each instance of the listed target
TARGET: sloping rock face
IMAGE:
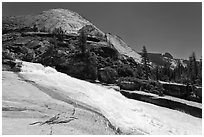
(168, 55)
(47, 21)
(30, 110)
(122, 47)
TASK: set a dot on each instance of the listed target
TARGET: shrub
(125, 71)
(107, 75)
(132, 83)
(159, 88)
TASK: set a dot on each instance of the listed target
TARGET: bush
(125, 71)
(107, 75)
(159, 89)
(132, 83)
(165, 78)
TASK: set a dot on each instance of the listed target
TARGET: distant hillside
(160, 59)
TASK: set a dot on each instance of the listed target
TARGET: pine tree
(179, 68)
(89, 57)
(166, 72)
(145, 61)
(157, 73)
(82, 42)
(58, 33)
(35, 28)
(200, 72)
(192, 68)
(178, 71)
(195, 66)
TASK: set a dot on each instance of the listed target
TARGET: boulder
(11, 65)
(103, 49)
(168, 55)
(94, 34)
(7, 64)
(6, 54)
(17, 67)
(129, 83)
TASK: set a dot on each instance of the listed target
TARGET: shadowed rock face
(122, 47)
(168, 55)
(172, 104)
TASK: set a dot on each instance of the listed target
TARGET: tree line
(191, 74)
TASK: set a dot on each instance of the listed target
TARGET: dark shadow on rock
(194, 111)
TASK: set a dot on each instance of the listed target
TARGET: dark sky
(161, 27)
